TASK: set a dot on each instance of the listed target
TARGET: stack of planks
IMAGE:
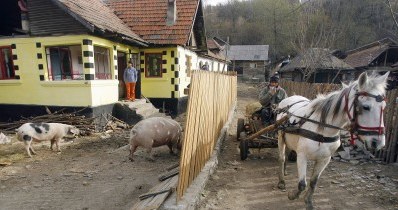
(158, 194)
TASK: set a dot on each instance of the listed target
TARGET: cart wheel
(244, 149)
(240, 127)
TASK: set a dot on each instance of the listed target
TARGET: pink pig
(155, 132)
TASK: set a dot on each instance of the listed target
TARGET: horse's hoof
(292, 195)
(131, 159)
(281, 185)
(309, 205)
(285, 174)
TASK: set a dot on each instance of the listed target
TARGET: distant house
(316, 65)
(249, 60)
(379, 56)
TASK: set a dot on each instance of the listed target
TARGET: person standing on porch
(130, 78)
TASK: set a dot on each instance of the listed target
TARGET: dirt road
(252, 184)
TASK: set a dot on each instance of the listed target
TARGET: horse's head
(367, 109)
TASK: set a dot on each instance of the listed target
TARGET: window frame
(253, 65)
(102, 75)
(74, 75)
(2, 61)
(147, 55)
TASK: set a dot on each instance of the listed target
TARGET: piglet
(155, 132)
(37, 132)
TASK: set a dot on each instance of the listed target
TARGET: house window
(153, 65)
(63, 63)
(102, 64)
(253, 65)
(6, 64)
(188, 65)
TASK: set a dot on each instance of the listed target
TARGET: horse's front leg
(282, 160)
(302, 170)
(319, 166)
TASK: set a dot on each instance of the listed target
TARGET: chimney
(24, 15)
(171, 12)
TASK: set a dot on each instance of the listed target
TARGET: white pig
(155, 132)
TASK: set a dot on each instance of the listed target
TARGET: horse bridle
(355, 128)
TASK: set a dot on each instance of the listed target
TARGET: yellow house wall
(172, 83)
(30, 90)
(160, 87)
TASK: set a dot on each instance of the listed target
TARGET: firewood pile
(112, 123)
(85, 124)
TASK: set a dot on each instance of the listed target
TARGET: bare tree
(393, 16)
(314, 36)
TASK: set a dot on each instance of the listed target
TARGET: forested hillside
(290, 27)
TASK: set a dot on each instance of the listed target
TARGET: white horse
(359, 104)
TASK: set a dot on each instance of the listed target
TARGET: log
(268, 128)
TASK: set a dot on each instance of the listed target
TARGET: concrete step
(132, 112)
(145, 110)
(135, 104)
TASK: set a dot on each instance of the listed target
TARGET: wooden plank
(391, 150)
(389, 124)
(154, 202)
(206, 114)
(153, 194)
(190, 125)
(173, 166)
(169, 174)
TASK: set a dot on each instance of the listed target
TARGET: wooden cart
(252, 133)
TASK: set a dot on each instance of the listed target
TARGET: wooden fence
(389, 153)
(211, 97)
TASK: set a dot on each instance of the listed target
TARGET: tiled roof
(97, 14)
(316, 58)
(248, 52)
(148, 19)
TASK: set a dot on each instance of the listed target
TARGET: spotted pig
(37, 132)
(155, 132)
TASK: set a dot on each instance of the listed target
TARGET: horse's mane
(331, 104)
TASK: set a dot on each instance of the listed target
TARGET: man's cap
(274, 79)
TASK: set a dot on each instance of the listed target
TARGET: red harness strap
(355, 127)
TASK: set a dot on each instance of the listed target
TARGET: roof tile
(148, 19)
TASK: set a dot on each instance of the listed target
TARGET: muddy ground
(89, 173)
(252, 184)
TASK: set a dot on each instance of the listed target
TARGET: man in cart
(269, 98)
